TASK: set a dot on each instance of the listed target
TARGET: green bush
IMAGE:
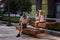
(13, 19)
(56, 28)
(32, 19)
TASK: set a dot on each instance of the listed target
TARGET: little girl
(39, 17)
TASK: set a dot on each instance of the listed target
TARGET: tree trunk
(9, 19)
(21, 13)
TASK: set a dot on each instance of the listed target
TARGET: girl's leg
(36, 24)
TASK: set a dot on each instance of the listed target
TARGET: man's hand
(28, 23)
(19, 23)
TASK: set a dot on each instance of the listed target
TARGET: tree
(12, 5)
(17, 5)
(24, 5)
(9, 6)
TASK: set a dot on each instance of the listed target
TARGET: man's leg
(20, 31)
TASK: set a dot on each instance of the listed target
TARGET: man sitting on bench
(23, 24)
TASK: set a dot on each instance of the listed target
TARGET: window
(58, 9)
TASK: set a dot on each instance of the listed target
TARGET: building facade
(58, 9)
(53, 8)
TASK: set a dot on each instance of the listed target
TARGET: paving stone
(9, 33)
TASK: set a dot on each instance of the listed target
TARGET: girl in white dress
(39, 17)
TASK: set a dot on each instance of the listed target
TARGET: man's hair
(24, 16)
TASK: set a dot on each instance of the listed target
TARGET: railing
(57, 19)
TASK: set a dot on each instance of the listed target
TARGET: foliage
(12, 5)
(24, 5)
(56, 28)
(15, 5)
(13, 19)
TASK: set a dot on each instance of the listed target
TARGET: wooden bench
(37, 31)
(31, 31)
(44, 25)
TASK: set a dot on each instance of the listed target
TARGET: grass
(32, 19)
(56, 28)
(13, 19)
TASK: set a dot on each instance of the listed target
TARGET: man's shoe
(18, 35)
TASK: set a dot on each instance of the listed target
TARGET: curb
(55, 33)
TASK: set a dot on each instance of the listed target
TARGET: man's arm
(20, 21)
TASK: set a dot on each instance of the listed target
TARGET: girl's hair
(24, 16)
(37, 14)
(41, 12)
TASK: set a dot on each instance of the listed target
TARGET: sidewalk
(9, 33)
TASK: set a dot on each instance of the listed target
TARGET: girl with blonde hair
(39, 17)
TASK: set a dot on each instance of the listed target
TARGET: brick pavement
(9, 33)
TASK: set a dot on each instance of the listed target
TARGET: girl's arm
(28, 19)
